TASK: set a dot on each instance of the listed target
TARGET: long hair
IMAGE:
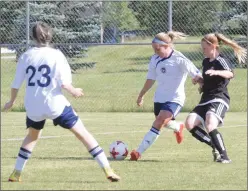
(170, 36)
(217, 38)
(42, 33)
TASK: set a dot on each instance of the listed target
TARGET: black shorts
(217, 108)
(66, 120)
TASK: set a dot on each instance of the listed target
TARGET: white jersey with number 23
(44, 69)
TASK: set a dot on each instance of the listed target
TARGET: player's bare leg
(24, 154)
(152, 135)
(94, 149)
(194, 125)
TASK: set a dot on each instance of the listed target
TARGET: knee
(34, 135)
(160, 122)
(189, 124)
(210, 127)
(211, 123)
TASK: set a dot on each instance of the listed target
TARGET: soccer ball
(118, 150)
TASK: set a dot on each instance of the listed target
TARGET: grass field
(60, 162)
(118, 76)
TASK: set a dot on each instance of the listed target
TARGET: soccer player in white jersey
(46, 72)
(170, 69)
(210, 112)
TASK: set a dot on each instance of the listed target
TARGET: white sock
(173, 125)
(99, 155)
(22, 159)
(20, 163)
(148, 140)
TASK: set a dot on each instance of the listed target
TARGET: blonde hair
(217, 38)
(170, 36)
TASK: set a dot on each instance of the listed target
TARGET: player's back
(44, 98)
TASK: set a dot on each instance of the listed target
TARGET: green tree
(194, 17)
(152, 15)
(9, 12)
(119, 17)
(72, 22)
(237, 22)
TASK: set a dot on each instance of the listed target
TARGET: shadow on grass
(125, 71)
(114, 160)
(147, 160)
(54, 181)
(64, 158)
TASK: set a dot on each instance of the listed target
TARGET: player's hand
(140, 101)
(7, 106)
(212, 72)
(194, 81)
(78, 92)
(197, 79)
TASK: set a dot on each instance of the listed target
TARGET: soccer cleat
(110, 174)
(15, 176)
(179, 134)
(135, 155)
(223, 161)
(216, 155)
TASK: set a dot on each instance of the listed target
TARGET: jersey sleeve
(224, 64)
(20, 73)
(151, 75)
(190, 68)
(64, 76)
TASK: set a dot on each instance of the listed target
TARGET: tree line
(106, 21)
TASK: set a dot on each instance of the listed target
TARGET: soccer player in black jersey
(215, 100)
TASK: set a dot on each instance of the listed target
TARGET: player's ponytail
(240, 52)
(42, 33)
(170, 36)
(176, 35)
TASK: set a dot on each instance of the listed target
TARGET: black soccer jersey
(215, 87)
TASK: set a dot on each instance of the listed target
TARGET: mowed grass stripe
(64, 164)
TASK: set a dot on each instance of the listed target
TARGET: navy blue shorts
(67, 120)
(172, 107)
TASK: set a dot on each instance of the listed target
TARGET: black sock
(218, 143)
(201, 135)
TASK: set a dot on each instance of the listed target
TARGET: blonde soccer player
(210, 112)
(170, 69)
(47, 72)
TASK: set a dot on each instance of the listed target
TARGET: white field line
(103, 133)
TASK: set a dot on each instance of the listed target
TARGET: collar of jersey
(165, 58)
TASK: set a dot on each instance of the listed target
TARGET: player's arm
(222, 73)
(64, 77)
(193, 72)
(226, 70)
(148, 84)
(18, 80)
(75, 92)
(151, 78)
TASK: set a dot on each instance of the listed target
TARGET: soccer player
(170, 69)
(47, 72)
(215, 100)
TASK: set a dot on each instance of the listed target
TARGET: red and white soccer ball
(118, 150)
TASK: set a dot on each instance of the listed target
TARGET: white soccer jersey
(44, 69)
(170, 74)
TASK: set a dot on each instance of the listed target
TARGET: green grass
(119, 75)
(62, 163)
